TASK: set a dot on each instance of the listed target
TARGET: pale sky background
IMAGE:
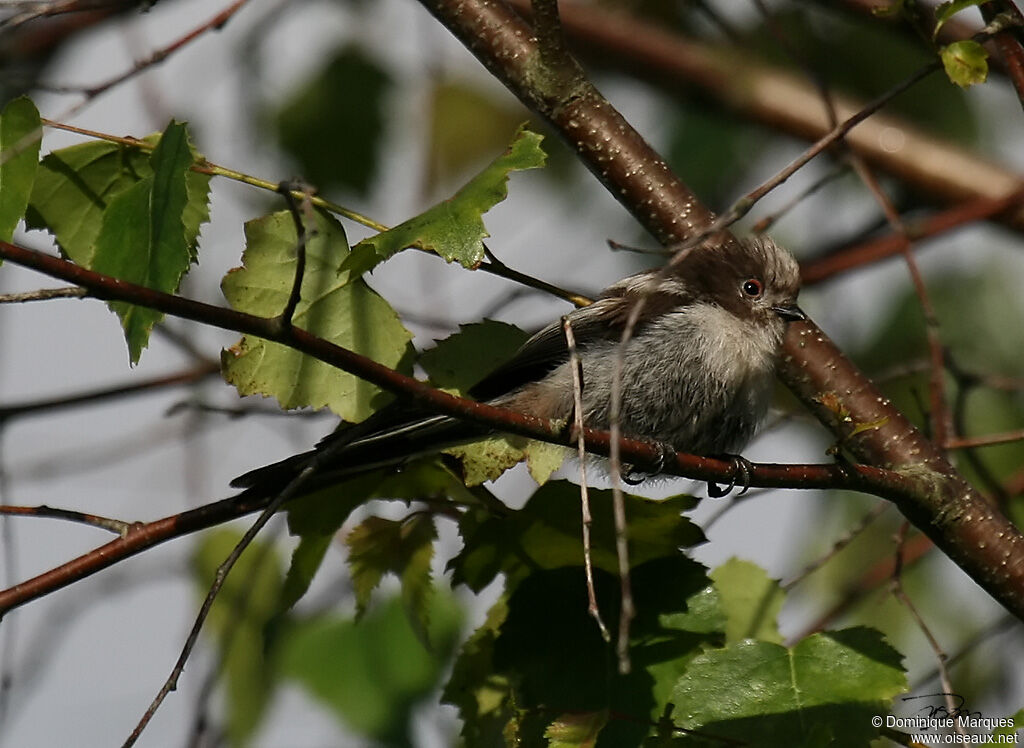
(88, 659)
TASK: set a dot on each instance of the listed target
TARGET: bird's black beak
(789, 312)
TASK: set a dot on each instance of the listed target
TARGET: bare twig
(214, 23)
(896, 586)
(116, 526)
(861, 254)
(581, 452)
(844, 540)
(204, 611)
(44, 294)
(103, 394)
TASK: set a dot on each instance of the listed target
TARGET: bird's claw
(634, 477)
(741, 468)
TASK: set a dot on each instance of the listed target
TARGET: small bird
(696, 371)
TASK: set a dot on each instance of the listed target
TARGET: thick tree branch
(977, 537)
(787, 102)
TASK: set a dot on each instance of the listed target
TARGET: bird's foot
(741, 468)
(634, 477)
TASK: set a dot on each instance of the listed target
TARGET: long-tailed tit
(696, 372)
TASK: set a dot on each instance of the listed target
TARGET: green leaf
(547, 534)
(20, 138)
(750, 600)
(372, 674)
(830, 685)
(243, 607)
(334, 124)
(305, 562)
(1017, 720)
(142, 235)
(945, 11)
(404, 548)
(576, 730)
(454, 229)
(317, 516)
(335, 305)
(486, 459)
(966, 63)
(467, 124)
(461, 360)
(125, 212)
(74, 186)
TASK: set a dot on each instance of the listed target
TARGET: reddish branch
(976, 536)
(89, 397)
(865, 253)
(889, 484)
(783, 101)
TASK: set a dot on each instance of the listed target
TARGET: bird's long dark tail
(390, 437)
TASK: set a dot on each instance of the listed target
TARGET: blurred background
(381, 109)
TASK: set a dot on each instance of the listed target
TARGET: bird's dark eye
(752, 287)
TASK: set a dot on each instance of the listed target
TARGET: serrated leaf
(305, 562)
(335, 305)
(142, 235)
(20, 138)
(454, 229)
(830, 684)
(547, 534)
(372, 674)
(334, 123)
(965, 62)
(750, 600)
(945, 11)
(576, 730)
(243, 607)
(404, 548)
(74, 185)
(486, 459)
(466, 357)
(317, 516)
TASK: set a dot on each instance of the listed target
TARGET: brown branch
(212, 24)
(43, 294)
(116, 526)
(875, 250)
(784, 101)
(90, 397)
(1006, 43)
(976, 536)
(886, 483)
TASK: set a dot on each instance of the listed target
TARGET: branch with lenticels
(138, 536)
(976, 536)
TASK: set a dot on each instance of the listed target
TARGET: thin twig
(844, 540)
(742, 206)
(204, 611)
(581, 447)
(116, 392)
(940, 415)
(116, 526)
(494, 266)
(215, 23)
(896, 586)
(44, 294)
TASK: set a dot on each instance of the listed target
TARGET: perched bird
(696, 371)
